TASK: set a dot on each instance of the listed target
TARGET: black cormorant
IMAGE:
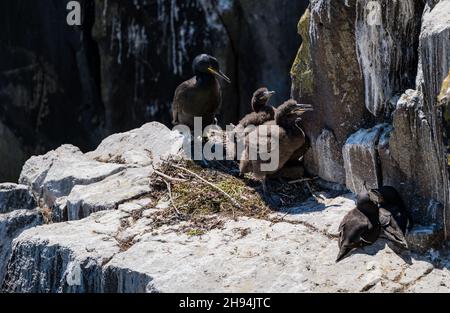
(199, 96)
(393, 203)
(361, 226)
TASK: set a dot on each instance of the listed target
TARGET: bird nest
(206, 196)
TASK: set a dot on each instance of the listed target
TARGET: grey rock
(422, 238)
(325, 158)
(361, 159)
(54, 174)
(387, 35)
(55, 264)
(11, 225)
(143, 146)
(416, 147)
(107, 194)
(292, 255)
(15, 197)
(337, 93)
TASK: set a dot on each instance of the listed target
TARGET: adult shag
(200, 96)
(361, 226)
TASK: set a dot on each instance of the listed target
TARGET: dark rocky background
(64, 84)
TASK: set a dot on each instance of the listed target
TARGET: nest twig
(233, 201)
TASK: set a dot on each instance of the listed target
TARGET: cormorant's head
(206, 64)
(260, 98)
(288, 115)
(367, 202)
(388, 195)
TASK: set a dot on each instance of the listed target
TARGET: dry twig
(302, 180)
(169, 189)
(169, 177)
(235, 203)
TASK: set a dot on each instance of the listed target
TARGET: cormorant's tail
(395, 235)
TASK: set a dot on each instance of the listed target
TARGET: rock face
(375, 85)
(11, 225)
(144, 146)
(386, 38)
(15, 197)
(11, 154)
(416, 142)
(241, 33)
(48, 77)
(74, 184)
(337, 86)
(361, 159)
(17, 213)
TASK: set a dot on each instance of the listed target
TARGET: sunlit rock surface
(361, 159)
(102, 236)
(244, 256)
(387, 40)
(392, 71)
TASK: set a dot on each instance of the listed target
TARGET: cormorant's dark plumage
(392, 202)
(360, 227)
(199, 96)
(262, 112)
(394, 217)
(390, 229)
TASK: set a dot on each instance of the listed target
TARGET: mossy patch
(301, 71)
(195, 197)
(201, 199)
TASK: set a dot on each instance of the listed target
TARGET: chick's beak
(219, 74)
(269, 94)
(302, 108)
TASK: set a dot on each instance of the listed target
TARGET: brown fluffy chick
(262, 112)
(262, 142)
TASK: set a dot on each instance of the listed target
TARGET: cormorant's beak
(219, 74)
(269, 94)
(375, 196)
(302, 108)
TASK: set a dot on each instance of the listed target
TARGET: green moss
(197, 198)
(195, 232)
(301, 71)
(197, 207)
(444, 95)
